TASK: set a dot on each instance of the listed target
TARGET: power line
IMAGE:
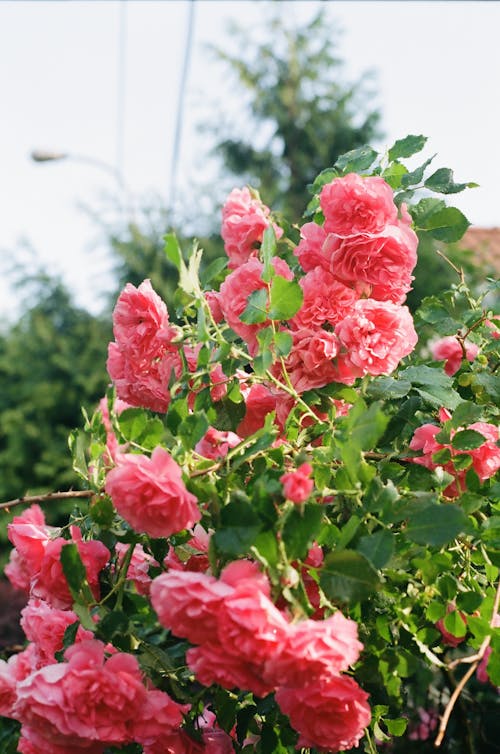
(180, 105)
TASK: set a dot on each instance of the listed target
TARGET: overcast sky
(438, 73)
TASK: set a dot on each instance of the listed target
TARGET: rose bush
(292, 534)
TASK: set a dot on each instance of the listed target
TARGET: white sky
(438, 67)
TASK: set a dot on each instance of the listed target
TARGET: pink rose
(216, 443)
(312, 361)
(244, 220)
(311, 249)
(259, 401)
(246, 573)
(329, 715)
(45, 627)
(31, 742)
(325, 300)
(87, 697)
(297, 485)
(140, 321)
(149, 493)
(138, 570)
(448, 638)
(236, 289)
(211, 663)
(30, 535)
(375, 337)
(450, 351)
(50, 584)
(188, 603)
(353, 205)
(314, 650)
(486, 458)
(159, 717)
(212, 299)
(377, 267)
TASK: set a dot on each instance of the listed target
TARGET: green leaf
(132, 423)
(490, 384)
(348, 576)
(268, 249)
(212, 270)
(455, 624)
(356, 160)
(286, 297)
(102, 511)
(173, 251)
(326, 176)
(301, 527)
(394, 174)
(415, 177)
(437, 387)
(255, 311)
(465, 413)
(266, 546)
(436, 525)
(283, 342)
(407, 147)
(397, 726)
(369, 427)
(240, 526)
(468, 439)
(469, 601)
(425, 208)
(378, 548)
(388, 388)
(73, 569)
(192, 429)
(447, 224)
(442, 182)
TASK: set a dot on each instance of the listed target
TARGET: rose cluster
(242, 640)
(484, 460)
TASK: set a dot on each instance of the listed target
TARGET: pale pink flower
(375, 337)
(244, 220)
(150, 494)
(297, 484)
(450, 351)
(236, 289)
(377, 267)
(353, 205)
(329, 715)
(188, 603)
(216, 443)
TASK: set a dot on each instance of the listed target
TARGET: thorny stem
(28, 499)
(475, 659)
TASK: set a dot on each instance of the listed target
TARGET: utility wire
(180, 106)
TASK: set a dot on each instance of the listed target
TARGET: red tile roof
(485, 243)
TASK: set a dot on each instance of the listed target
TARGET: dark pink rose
(298, 485)
(312, 361)
(32, 742)
(353, 205)
(244, 220)
(159, 717)
(448, 638)
(329, 715)
(188, 603)
(486, 458)
(377, 267)
(375, 337)
(45, 627)
(140, 321)
(259, 401)
(30, 535)
(450, 351)
(149, 493)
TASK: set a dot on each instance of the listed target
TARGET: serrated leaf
(212, 270)
(283, 342)
(388, 388)
(415, 177)
(394, 174)
(348, 576)
(326, 176)
(192, 429)
(442, 182)
(465, 413)
(436, 525)
(239, 528)
(285, 298)
(468, 439)
(356, 160)
(73, 569)
(255, 311)
(447, 224)
(407, 147)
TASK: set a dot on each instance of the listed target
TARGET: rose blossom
(377, 267)
(450, 351)
(297, 485)
(329, 715)
(375, 337)
(30, 535)
(236, 289)
(159, 717)
(87, 697)
(313, 650)
(449, 638)
(211, 663)
(353, 205)
(216, 444)
(325, 300)
(486, 458)
(31, 742)
(311, 362)
(187, 603)
(149, 493)
(138, 569)
(140, 321)
(244, 220)
(45, 627)
(259, 402)
(310, 250)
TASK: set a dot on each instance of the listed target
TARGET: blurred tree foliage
(51, 362)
